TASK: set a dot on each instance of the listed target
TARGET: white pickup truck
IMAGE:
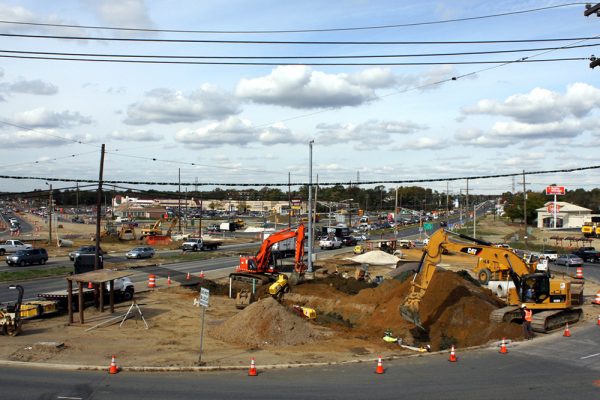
(197, 244)
(11, 246)
(330, 243)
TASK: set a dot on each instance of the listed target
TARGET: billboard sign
(555, 190)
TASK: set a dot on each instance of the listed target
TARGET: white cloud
(302, 87)
(478, 138)
(567, 128)
(371, 132)
(165, 106)
(23, 86)
(542, 105)
(44, 118)
(137, 135)
(122, 13)
(40, 138)
(237, 132)
(423, 143)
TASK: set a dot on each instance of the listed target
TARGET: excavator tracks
(505, 314)
(547, 321)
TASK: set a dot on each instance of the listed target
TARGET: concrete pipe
(500, 288)
(65, 243)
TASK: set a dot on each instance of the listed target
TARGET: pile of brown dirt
(265, 323)
(453, 311)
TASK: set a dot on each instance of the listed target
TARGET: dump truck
(200, 244)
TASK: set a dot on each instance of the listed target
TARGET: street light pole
(310, 207)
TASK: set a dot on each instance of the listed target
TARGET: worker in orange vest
(527, 316)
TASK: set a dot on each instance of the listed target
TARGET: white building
(567, 215)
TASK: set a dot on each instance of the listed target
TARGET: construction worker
(527, 316)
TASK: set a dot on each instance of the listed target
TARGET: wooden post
(80, 295)
(112, 296)
(70, 299)
(101, 288)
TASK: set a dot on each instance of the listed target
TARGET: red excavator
(262, 269)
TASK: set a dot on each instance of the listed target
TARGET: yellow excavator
(551, 299)
(152, 230)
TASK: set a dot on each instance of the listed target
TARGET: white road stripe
(590, 356)
(69, 398)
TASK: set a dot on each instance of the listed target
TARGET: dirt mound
(453, 311)
(265, 323)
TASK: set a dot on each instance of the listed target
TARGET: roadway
(548, 367)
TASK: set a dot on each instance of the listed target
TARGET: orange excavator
(262, 268)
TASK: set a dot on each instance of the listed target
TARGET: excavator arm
(441, 242)
(264, 254)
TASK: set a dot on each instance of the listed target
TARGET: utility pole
(77, 199)
(589, 10)
(50, 212)
(447, 201)
(99, 209)
(467, 201)
(289, 200)
(396, 215)
(310, 232)
(524, 209)
(179, 200)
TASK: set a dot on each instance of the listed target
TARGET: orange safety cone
(379, 369)
(452, 355)
(90, 286)
(567, 331)
(252, 371)
(579, 273)
(598, 320)
(597, 299)
(188, 276)
(503, 349)
(169, 280)
(202, 274)
(151, 281)
(113, 369)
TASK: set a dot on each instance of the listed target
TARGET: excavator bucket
(410, 310)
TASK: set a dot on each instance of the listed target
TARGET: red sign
(555, 190)
(551, 208)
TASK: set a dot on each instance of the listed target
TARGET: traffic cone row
(379, 369)
(113, 369)
(567, 332)
(503, 349)
(252, 371)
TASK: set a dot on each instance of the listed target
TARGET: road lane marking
(590, 356)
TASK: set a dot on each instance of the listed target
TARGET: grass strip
(7, 276)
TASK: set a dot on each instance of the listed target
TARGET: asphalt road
(590, 270)
(548, 367)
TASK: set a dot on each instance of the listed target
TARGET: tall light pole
(310, 208)
(475, 208)
(349, 210)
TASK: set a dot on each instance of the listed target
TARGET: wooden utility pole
(179, 200)
(99, 209)
(289, 200)
(50, 212)
(524, 209)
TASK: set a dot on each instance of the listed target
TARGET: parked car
(550, 255)
(29, 256)
(588, 254)
(568, 260)
(141, 252)
(349, 241)
(83, 250)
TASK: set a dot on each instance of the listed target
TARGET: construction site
(351, 308)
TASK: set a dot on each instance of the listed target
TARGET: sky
(252, 124)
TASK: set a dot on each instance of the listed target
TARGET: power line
(46, 133)
(445, 21)
(285, 184)
(297, 64)
(162, 56)
(46, 160)
(289, 42)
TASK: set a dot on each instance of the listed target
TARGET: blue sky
(247, 124)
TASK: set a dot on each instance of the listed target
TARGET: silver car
(140, 252)
(568, 260)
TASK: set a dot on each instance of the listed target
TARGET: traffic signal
(589, 10)
(594, 62)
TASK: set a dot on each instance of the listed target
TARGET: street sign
(204, 296)
(555, 190)
(428, 226)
